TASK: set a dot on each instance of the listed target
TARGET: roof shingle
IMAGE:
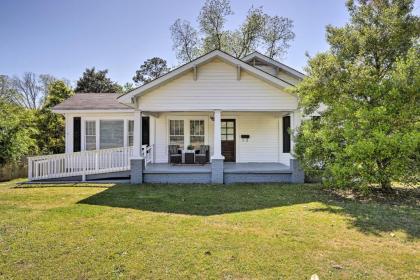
(92, 101)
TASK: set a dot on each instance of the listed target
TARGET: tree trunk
(386, 186)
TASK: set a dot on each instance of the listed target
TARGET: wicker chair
(174, 154)
(202, 155)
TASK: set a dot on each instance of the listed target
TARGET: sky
(63, 38)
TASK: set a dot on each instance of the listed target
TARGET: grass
(254, 231)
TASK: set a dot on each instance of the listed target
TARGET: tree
(17, 132)
(247, 37)
(7, 92)
(368, 80)
(29, 91)
(185, 40)
(93, 81)
(277, 34)
(51, 125)
(127, 87)
(151, 69)
(212, 19)
(258, 32)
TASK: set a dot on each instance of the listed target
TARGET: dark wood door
(228, 140)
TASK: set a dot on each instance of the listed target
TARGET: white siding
(264, 144)
(217, 87)
(267, 68)
(287, 77)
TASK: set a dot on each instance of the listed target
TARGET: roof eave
(128, 98)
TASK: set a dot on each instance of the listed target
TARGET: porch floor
(229, 167)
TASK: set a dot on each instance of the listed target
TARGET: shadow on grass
(205, 200)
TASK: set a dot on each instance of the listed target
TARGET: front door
(228, 140)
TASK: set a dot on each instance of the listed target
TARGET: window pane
(90, 138)
(223, 137)
(230, 137)
(90, 143)
(196, 133)
(111, 134)
(230, 131)
(130, 133)
(176, 132)
(230, 124)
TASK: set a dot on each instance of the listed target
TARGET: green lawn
(255, 231)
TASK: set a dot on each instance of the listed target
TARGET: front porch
(228, 172)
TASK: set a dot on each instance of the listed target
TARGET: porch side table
(189, 156)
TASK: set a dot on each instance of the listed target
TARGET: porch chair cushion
(174, 154)
(202, 155)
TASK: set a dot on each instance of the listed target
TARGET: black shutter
(76, 134)
(145, 131)
(286, 134)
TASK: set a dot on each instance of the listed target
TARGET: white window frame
(129, 133)
(187, 120)
(95, 135)
(176, 135)
(198, 135)
(97, 119)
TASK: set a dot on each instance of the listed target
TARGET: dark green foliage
(151, 69)
(51, 125)
(93, 81)
(369, 82)
(17, 132)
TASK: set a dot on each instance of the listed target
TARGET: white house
(237, 109)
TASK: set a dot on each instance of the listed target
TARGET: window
(90, 138)
(196, 133)
(111, 134)
(176, 132)
(286, 134)
(130, 133)
(228, 130)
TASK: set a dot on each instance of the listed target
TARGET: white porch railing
(80, 163)
(147, 152)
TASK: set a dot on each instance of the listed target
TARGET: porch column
(217, 158)
(217, 149)
(137, 134)
(137, 161)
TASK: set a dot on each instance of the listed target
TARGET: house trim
(274, 63)
(129, 98)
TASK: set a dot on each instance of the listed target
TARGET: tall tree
(51, 125)
(212, 19)
(368, 81)
(185, 40)
(29, 91)
(93, 81)
(259, 31)
(247, 37)
(17, 132)
(151, 69)
(276, 35)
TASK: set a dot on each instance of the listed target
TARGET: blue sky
(62, 38)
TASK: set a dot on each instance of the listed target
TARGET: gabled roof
(91, 102)
(128, 97)
(275, 63)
